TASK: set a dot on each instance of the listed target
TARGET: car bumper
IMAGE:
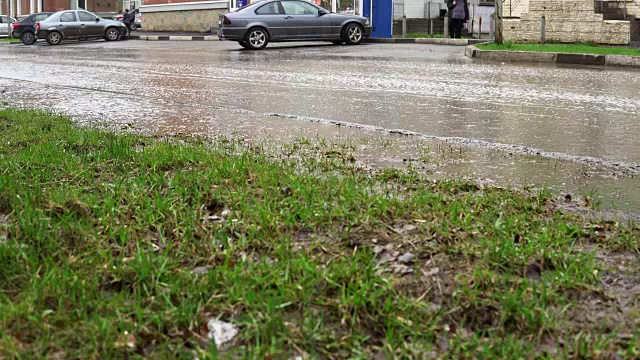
(367, 31)
(231, 34)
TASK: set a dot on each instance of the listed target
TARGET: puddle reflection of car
(137, 23)
(80, 25)
(5, 22)
(25, 30)
(255, 25)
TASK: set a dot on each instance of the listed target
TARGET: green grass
(12, 40)
(563, 48)
(100, 234)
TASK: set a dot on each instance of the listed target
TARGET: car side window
(85, 16)
(41, 17)
(299, 8)
(3, 20)
(271, 8)
(68, 17)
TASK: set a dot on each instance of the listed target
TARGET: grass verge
(123, 246)
(9, 40)
(563, 48)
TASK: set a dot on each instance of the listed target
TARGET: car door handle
(288, 17)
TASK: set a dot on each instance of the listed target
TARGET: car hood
(347, 16)
(111, 22)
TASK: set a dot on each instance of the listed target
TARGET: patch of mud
(628, 168)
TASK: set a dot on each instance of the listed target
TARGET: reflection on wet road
(571, 129)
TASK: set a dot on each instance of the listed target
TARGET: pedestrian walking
(126, 18)
(458, 14)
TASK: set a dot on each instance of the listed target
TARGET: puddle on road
(436, 158)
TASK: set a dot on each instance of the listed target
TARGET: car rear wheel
(54, 38)
(112, 34)
(243, 44)
(337, 42)
(353, 34)
(28, 38)
(256, 39)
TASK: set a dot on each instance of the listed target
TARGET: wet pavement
(574, 130)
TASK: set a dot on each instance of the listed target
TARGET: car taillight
(226, 21)
(15, 26)
(38, 26)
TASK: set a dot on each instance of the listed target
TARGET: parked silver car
(254, 26)
(81, 25)
(5, 23)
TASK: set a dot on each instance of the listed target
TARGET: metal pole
(498, 30)
(404, 25)
(446, 24)
(480, 28)
(625, 10)
(491, 22)
(542, 29)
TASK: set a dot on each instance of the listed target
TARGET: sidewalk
(172, 36)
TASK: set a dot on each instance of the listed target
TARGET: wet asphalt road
(518, 122)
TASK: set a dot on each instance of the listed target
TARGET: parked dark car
(25, 30)
(81, 25)
(256, 25)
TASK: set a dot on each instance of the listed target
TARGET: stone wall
(187, 20)
(514, 8)
(567, 21)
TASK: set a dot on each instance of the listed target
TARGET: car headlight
(366, 22)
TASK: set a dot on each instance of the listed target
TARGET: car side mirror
(97, 19)
(321, 12)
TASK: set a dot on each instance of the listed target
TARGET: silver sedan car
(255, 25)
(81, 25)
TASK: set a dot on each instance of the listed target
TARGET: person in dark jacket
(458, 14)
(126, 18)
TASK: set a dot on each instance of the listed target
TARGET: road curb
(428, 41)
(473, 52)
(173, 38)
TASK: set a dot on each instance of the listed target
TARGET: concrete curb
(429, 41)
(473, 52)
(173, 38)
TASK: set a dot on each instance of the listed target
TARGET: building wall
(567, 21)
(514, 8)
(187, 21)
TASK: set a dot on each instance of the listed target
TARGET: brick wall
(186, 21)
(566, 21)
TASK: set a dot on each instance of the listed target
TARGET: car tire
(54, 38)
(337, 42)
(28, 38)
(243, 44)
(352, 34)
(112, 34)
(257, 38)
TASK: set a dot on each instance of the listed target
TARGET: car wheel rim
(355, 34)
(257, 38)
(55, 38)
(112, 34)
(28, 38)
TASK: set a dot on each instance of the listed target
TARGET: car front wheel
(54, 38)
(353, 34)
(28, 38)
(256, 39)
(112, 34)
